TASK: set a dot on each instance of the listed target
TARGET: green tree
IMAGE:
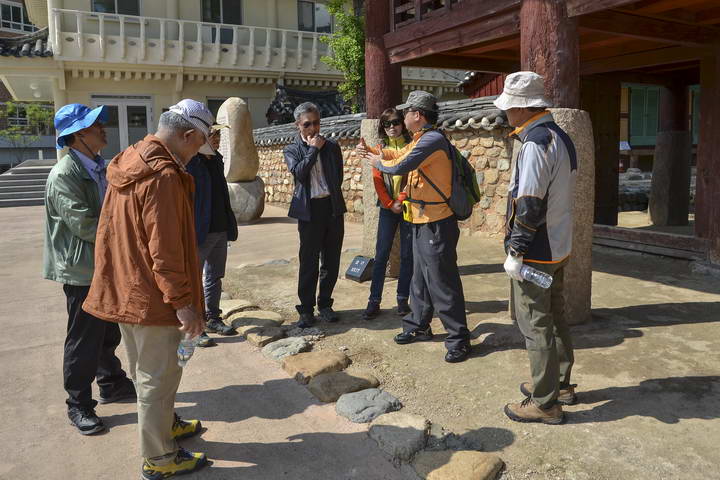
(19, 137)
(348, 49)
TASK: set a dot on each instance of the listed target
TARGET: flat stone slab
(304, 366)
(441, 439)
(231, 306)
(258, 318)
(328, 387)
(454, 465)
(366, 405)
(286, 347)
(311, 334)
(261, 336)
(400, 434)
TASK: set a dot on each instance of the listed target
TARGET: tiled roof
(32, 45)
(473, 113)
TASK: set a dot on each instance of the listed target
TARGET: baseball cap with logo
(420, 99)
(199, 116)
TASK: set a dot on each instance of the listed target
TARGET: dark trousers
(540, 314)
(89, 352)
(388, 223)
(320, 246)
(436, 285)
(213, 258)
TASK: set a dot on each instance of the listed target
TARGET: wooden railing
(406, 12)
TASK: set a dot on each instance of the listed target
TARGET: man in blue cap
(73, 198)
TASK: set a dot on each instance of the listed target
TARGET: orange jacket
(146, 259)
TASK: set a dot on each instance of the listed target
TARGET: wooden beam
(651, 58)
(709, 17)
(472, 11)
(636, 26)
(498, 26)
(667, 5)
(576, 8)
(465, 63)
(492, 46)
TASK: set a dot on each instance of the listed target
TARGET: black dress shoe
(125, 391)
(372, 311)
(85, 420)
(306, 320)
(403, 308)
(217, 326)
(457, 354)
(414, 336)
(327, 314)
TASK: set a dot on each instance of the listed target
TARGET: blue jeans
(387, 226)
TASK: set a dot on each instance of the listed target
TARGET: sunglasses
(391, 123)
(316, 123)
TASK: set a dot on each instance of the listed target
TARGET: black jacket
(300, 159)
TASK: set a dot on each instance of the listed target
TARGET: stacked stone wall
(489, 152)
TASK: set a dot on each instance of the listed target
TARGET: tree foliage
(348, 49)
(19, 137)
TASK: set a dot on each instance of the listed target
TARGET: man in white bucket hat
(539, 235)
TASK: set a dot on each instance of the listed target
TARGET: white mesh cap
(198, 114)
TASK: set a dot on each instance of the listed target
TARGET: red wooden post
(549, 46)
(707, 197)
(383, 80)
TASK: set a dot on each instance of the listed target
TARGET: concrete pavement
(260, 424)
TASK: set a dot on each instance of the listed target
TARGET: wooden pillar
(707, 197)
(549, 47)
(383, 80)
(601, 98)
(670, 192)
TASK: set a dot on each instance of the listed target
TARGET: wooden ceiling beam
(651, 58)
(709, 17)
(478, 64)
(491, 46)
(661, 6)
(576, 8)
(636, 26)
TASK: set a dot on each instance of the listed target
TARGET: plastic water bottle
(541, 279)
(185, 350)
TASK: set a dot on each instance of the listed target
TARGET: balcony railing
(93, 36)
(406, 12)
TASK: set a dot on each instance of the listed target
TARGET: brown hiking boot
(566, 396)
(527, 411)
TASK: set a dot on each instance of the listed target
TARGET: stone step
(23, 176)
(29, 170)
(9, 181)
(21, 195)
(22, 188)
(27, 202)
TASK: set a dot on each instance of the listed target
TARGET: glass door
(129, 120)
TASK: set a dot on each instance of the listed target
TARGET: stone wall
(489, 151)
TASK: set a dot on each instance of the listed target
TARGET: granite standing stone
(236, 143)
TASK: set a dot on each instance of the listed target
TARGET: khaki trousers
(540, 314)
(152, 360)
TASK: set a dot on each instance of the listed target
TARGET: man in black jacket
(318, 205)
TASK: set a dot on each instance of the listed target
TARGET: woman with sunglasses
(390, 193)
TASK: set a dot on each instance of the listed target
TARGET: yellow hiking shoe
(185, 428)
(184, 462)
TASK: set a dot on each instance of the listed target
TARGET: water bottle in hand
(185, 350)
(541, 279)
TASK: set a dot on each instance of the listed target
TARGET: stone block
(504, 164)
(400, 435)
(491, 176)
(258, 318)
(328, 387)
(232, 306)
(247, 199)
(487, 141)
(366, 405)
(236, 143)
(303, 367)
(457, 465)
(261, 336)
(285, 347)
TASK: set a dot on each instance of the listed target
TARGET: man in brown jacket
(147, 276)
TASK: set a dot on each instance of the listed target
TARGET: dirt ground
(647, 365)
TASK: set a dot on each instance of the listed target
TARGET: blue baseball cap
(75, 117)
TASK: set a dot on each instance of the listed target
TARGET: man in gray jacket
(73, 198)
(539, 235)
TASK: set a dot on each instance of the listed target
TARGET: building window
(695, 126)
(13, 17)
(228, 12)
(314, 17)
(644, 105)
(121, 7)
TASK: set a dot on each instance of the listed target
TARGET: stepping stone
(261, 336)
(257, 318)
(441, 439)
(400, 434)
(286, 347)
(462, 465)
(366, 405)
(304, 366)
(231, 306)
(328, 387)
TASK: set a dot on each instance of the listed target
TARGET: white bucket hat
(523, 90)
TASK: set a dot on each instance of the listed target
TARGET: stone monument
(247, 190)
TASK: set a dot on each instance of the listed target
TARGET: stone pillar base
(247, 199)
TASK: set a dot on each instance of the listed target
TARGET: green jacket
(72, 208)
